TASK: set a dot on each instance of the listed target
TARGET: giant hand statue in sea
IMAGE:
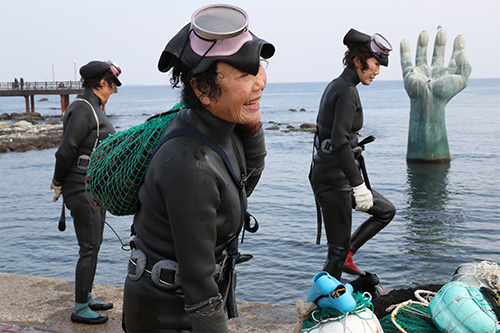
(430, 88)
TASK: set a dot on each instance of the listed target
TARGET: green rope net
(324, 315)
(409, 317)
(117, 166)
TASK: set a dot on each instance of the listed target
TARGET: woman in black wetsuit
(85, 125)
(335, 174)
(185, 234)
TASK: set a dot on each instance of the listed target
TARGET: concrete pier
(45, 304)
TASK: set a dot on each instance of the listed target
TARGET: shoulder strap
(95, 116)
(198, 135)
(233, 244)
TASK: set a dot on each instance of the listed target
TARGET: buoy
(362, 321)
(479, 274)
(461, 308)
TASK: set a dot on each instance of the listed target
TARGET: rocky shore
(26, 131)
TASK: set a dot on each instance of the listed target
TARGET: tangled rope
(491, 273)
(424, 296)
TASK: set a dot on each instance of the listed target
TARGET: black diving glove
(208, 316)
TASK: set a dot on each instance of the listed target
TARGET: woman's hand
(363, 197)
(57, 189)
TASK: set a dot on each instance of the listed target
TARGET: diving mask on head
(116, 70)
(377, 44)
(216, 33)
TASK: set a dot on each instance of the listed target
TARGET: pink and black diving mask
(377, 44)
(216, 33)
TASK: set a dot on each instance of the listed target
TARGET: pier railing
(45, 85)
(28, 90)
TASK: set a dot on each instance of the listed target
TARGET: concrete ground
(31, 303)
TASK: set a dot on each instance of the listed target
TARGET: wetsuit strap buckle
(82, 162)
(326, 146)
(136, 264)
(165, 274)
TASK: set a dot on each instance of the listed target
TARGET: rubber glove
(57, 190)
(363, 197)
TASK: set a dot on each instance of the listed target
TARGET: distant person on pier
(16, 83)
(335, 175)
(22, 83)
(84, 125)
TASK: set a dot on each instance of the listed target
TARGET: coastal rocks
(25, 135)
(273, 128)
(306, 127)
(287, 128)
(22, 116)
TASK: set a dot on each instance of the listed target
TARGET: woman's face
(105, 91)
(368, 75)
(240, 95)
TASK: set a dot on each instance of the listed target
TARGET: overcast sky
(42, 40)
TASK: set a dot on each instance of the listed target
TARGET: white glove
(363, 197)
(57, 190)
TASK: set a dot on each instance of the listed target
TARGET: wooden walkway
(29, 89)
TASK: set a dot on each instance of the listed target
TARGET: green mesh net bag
(117, 166)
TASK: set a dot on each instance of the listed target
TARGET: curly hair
(183, 75)
(96, 81)
(359, 51)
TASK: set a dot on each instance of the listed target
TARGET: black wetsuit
(79, 137)
(190, 210)
(334, 172)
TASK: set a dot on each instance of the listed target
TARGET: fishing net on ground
(118, 164)
(457, 304)
(409, 317)
(321, 316)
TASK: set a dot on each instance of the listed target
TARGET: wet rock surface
(26, 131)
(45, 304)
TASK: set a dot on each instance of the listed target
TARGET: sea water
(447, 214)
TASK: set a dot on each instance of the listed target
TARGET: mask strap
(208, 40)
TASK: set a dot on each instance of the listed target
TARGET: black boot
(367, 283)
(365, 232)
(335, 260)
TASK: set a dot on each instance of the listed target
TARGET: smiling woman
(194, 197)
(240, 92)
